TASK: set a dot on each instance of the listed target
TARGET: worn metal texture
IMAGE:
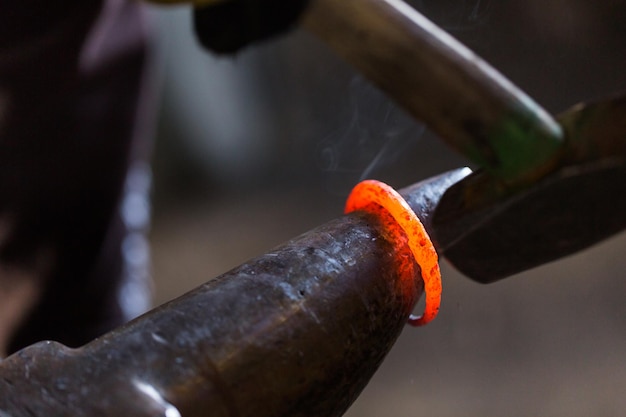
(294, 332)
(490, 232)
(566, 212)
(298, 331)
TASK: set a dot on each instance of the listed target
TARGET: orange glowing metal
(371, 191)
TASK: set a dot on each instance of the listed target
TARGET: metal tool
(548, 187)
(297, 331)
(520, 211)
(509, 230)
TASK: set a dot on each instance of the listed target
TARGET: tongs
(546, 186)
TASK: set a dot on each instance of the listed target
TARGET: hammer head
(490, 231)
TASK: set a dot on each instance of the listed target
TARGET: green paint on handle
(523, 147)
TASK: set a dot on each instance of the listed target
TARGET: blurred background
(257, 148)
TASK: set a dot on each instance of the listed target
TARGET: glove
(228, 26)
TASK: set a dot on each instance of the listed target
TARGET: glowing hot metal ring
(372, 191)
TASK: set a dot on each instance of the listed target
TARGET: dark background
(257, 148)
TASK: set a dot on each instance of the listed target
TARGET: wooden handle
(441, 82)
